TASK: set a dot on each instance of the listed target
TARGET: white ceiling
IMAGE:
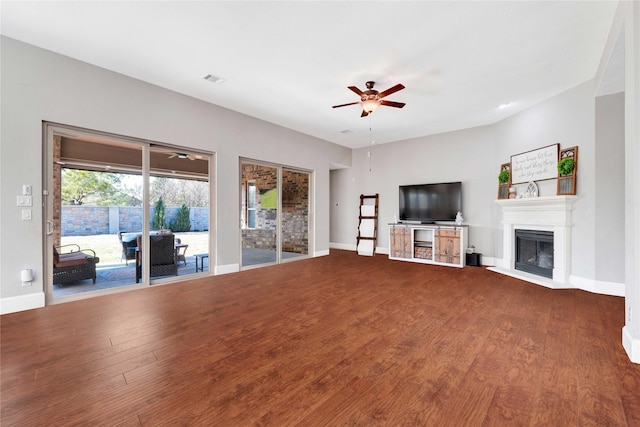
(289, 62)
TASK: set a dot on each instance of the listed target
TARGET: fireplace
(534, 252)
(549, 215)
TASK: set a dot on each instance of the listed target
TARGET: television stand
(429, 243)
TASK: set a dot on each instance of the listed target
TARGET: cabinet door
(396, 243)
(447, 246)
(407, 243)
(400, 242)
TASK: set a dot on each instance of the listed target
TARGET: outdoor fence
(91, 220)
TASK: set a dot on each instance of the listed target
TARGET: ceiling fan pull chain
(370, 142)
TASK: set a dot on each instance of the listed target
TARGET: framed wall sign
(535, 165)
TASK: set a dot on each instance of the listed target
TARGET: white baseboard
(343, 246)
(321, 253)
(226, 269)
(531, 278)
(353, 248)
(21, 303)
(575, 282)
(488, 261)
(598, 286)
(631, 345)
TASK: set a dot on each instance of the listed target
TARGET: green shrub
(158, 220)
(182, 221)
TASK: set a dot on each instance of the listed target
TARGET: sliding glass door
(274, 213)
(295, 213)
(260, 214)
(110, 198)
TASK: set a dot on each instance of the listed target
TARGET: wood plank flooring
(337, 340)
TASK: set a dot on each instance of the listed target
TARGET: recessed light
(503, 106)
(346, 131)
(214, 79)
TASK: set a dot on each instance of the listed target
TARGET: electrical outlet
(26, 214)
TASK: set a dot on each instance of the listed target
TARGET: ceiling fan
(182, 156)
(371, 99)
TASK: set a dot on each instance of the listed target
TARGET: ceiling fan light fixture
(370, 105)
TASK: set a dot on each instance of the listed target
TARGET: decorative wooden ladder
(368, 225)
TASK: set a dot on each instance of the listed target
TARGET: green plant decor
(182, 221)
(503, 176)
(565, 166)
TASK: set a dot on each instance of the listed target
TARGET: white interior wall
(630, 11)
(39, 85)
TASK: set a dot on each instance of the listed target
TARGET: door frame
(49, 129)
(310, 220)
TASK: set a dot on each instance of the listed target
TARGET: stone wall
(92, 220)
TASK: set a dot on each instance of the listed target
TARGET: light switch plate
(26, 190)
(26, 214)
(25, 201)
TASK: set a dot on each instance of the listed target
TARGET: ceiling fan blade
(344, 105)
(391, 90)
(364, 114)
(392, 104)
(356, 90)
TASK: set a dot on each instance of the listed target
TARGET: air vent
(214, 79)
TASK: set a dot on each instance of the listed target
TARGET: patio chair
(181, 251)
(129, 242)
(162, 255)
(75, 265)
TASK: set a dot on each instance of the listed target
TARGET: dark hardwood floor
(336, 340)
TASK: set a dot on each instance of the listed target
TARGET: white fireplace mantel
(549, 213)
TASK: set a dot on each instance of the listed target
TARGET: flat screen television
(428, 203)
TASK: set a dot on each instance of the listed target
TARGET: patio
(112, 275)
(115, 274)
(113, 271)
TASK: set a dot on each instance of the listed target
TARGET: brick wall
(295, 210)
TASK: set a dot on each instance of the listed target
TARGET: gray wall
(567, 119)
(38, 85)
(465, 156)
(610, 186)
(473, 156)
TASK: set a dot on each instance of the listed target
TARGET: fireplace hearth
(534, 252)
